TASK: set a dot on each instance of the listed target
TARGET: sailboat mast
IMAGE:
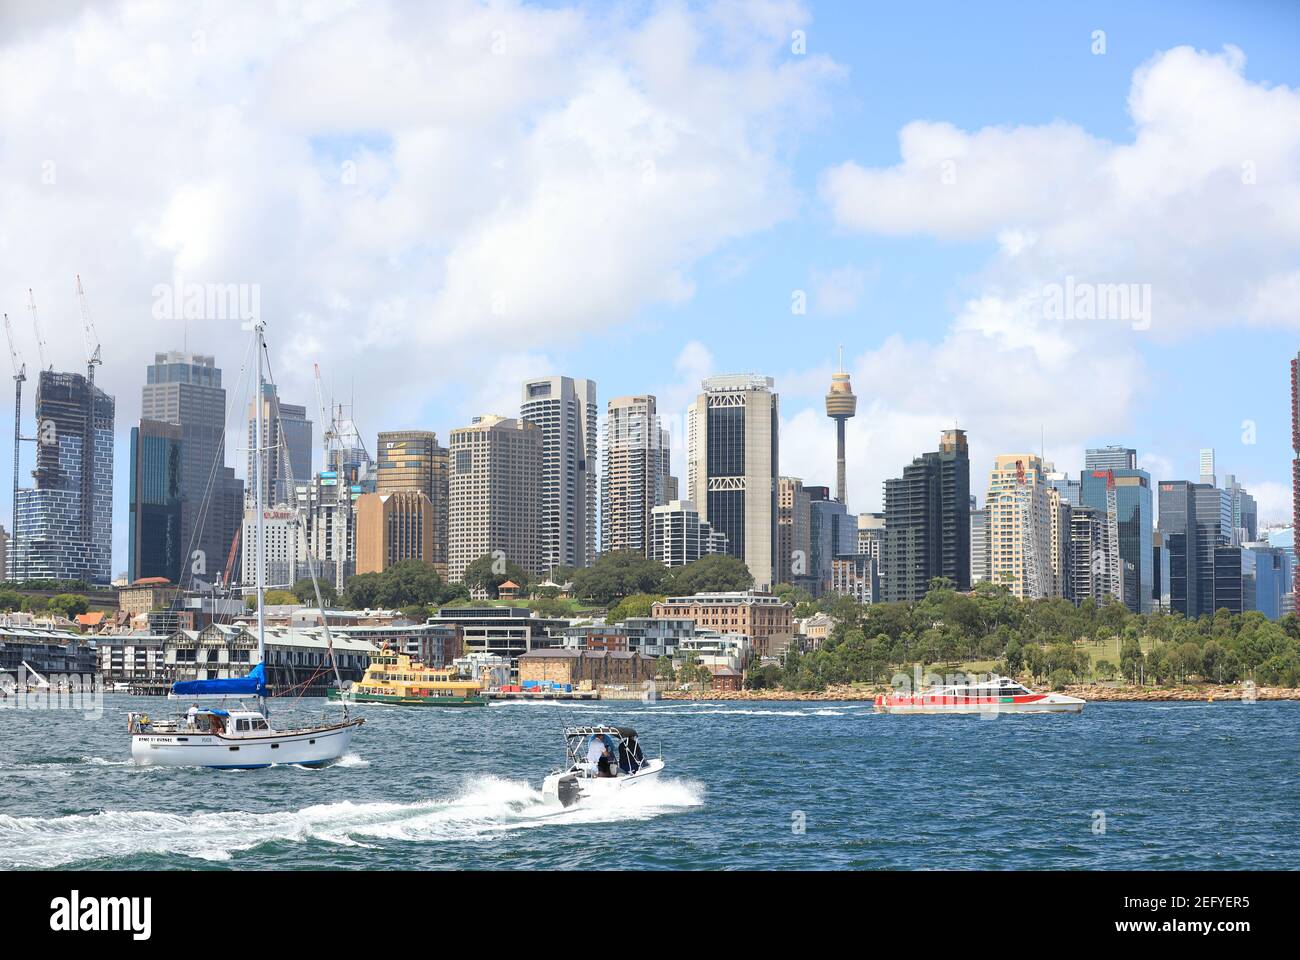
(259, 473)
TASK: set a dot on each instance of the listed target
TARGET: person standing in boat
(193, 715)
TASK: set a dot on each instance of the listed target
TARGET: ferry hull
(1049, 703)
(181, 749)
(334, 694)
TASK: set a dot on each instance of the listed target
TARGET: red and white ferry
(994, 695)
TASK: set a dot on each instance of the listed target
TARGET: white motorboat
(992, 696)
(600, 761)
(242, 738)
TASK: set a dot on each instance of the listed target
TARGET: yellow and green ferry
(394, 677)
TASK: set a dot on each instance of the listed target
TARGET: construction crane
(20, 376)
(36, 325)
(88, 441)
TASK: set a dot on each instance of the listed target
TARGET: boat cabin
(603, 751)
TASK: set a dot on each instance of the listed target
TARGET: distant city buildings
(564, 410)
(1128, 491)
(927, 521)
(495, 495)
(792, 526)
(678, 536)
(185, 390)
(637, 477)
(64, 527)
(286, 438)
(392, 527)
(155, 538)
(731, 473)
(1021, 526)
(413, 460)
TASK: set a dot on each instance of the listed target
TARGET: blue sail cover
(252, 685)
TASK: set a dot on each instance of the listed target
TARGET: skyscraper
(927, 521)
(1020, 506)
(1207, 466)
(1133, 521)
(287, 440)
(565, 411)
(841, 404)
(413, 460)
(185, 389)
(155, 543)
(636, 475)
(392, 527)
(1110, 458)
(1195, 520)
(792, 546)
(495, 494)
(64, 525)
(832, 533)
(1245, 513)
(733, 430)
(979, 546)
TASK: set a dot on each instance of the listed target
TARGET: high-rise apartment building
(792, 524)
(185, 389)
(286, 436)
(392, 527)
(64, 528)
(155, 543)
(927, 521)
(636, 475)
(1133, 522)
(980, 569)
(733, 431)
(1020, 526)
(871, 535)
(495, 494)
(678, 536)
(564, 410)
(413, 460)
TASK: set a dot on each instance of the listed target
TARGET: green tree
(637, 605)
(304, 592)
(717, 572)
(68, 605)
(618, 574)
(489, 572)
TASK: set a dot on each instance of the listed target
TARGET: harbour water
(749, 785)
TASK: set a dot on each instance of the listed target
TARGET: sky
(433, 202)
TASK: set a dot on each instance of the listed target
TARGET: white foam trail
(485, 807)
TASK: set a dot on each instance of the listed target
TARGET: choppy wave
(486, 806)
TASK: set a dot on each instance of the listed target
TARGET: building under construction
(64, 522)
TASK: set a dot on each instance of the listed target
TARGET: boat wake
(486, 807)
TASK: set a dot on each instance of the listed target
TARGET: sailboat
(241, 738)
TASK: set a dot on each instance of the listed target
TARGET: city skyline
(925, 293)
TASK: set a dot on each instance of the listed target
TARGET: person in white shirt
(193, 715)
(595, 748)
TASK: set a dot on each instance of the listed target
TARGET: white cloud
(1203, 205)
(417, 189)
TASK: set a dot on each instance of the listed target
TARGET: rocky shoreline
(1096, 692)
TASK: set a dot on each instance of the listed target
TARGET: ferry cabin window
(241, 725)
(259, 725)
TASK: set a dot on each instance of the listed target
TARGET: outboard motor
(569, 790)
